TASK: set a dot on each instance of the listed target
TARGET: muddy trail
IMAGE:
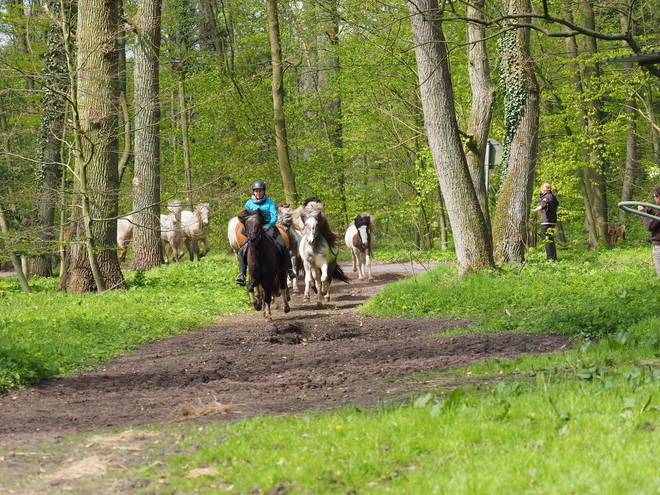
(308, 360)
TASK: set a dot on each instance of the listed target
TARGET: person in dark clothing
(653, 226)
(548, 209)
(259, 201)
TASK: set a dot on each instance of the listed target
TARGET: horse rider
(259, 201)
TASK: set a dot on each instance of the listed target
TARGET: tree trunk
(288, 177)
(520, 144)
(483, 99)
(472, 243)
(209, 32)
(594, 171)
(50, 142)
(631, 170)
(146, 180)
(92, 258)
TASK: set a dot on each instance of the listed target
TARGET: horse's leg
(363, 265)
(367, 264)
(285, 299)
(188, 243)
(308, 280)
(195, 246)
(323, 275)
(356, 261)
(256, 299)
(267, 298)
(206, 248)
(318, 274)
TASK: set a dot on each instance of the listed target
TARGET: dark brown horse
(266, 269)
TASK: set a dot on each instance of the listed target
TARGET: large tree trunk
(520, 143)
(146, 180)
(483, 99)
(92, 259)
(288, 177)
(471, 240)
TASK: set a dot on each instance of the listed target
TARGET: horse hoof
(287, 308)
(319, 304)
(306, 299)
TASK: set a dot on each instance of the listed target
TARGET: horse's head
(311, 219)
(203, 212)
(174, 207)
(254, 224)
(364, 228)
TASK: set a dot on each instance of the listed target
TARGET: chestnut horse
(265, 267)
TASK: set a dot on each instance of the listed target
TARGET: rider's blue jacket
(267, 207)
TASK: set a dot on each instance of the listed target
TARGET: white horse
(171, 232)
(359, 240)
(124, 234)
(194, 224)
(318, 250)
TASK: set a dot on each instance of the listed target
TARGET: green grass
(598, 295)
(47, 333)
(539, 433)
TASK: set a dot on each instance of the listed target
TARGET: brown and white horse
(318, 251)
(360, 239)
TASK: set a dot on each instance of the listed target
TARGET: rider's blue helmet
(259, 184)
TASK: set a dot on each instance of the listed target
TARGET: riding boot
(242, 253)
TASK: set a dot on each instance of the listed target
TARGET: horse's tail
(338, 274)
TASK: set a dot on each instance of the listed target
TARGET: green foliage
(47, 333)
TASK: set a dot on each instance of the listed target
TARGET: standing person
(653, 226)
(548, 209)
(259, 201)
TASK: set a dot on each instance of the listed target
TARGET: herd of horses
(312, 245)
(178, 229)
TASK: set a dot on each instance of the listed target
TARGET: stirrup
(240, 280)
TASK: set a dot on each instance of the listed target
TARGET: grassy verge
(596, 295)
(47, 332)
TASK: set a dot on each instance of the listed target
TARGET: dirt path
(310, 359)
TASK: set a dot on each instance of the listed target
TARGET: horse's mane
(284, 216)
(319, 204)
(364, 220)
(244, 215)
(324, 227)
